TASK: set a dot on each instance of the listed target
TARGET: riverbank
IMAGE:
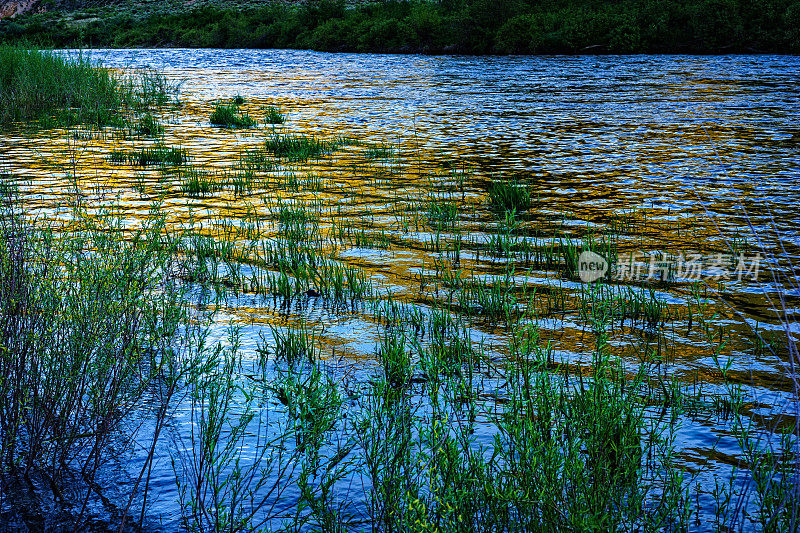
(452, 26)
(47, 89)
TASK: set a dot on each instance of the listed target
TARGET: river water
(704, 149)
(594, 133)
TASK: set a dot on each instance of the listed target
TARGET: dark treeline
(446, 26)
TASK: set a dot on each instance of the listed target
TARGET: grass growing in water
(273, 115)
(508, 196)
(89, 331)
(196, 182)
(379, 151)
(298, 147)
(571, 450)
(148, 126)
(158, 154)
(61, 91)
(230, 116)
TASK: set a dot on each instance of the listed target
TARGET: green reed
(293, 147)
(57, 90)
(154, 155)
(273, 115)
(230, 116)
(507, 196)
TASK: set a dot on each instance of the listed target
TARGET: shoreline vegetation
(51, 90)
(109, 370)
(418, 26)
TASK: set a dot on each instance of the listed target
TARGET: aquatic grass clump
(230, 116)
(148, 126)
(58, 90)
(313, 403)
(299, 147)
(508, 196)
(40, 84)
(148, 88)
(395, 359)
(286, 254)
(492, 297)
(582, 444)
(257, 161)
(571, 249)
(118, 156)
(197, 182)
(273, 115)
(378, 151)
(339, 282)
(442, 214)
(195, 185)
(241, 183)
(159, 154)
(292, 345)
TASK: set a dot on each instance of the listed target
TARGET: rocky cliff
(12, 8)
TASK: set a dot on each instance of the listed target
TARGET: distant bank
(413, 26)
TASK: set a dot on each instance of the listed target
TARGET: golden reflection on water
(384, 196)
(51, 167)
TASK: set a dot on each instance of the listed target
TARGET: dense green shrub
(717, 24)
(451, 26)
(792, 24)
